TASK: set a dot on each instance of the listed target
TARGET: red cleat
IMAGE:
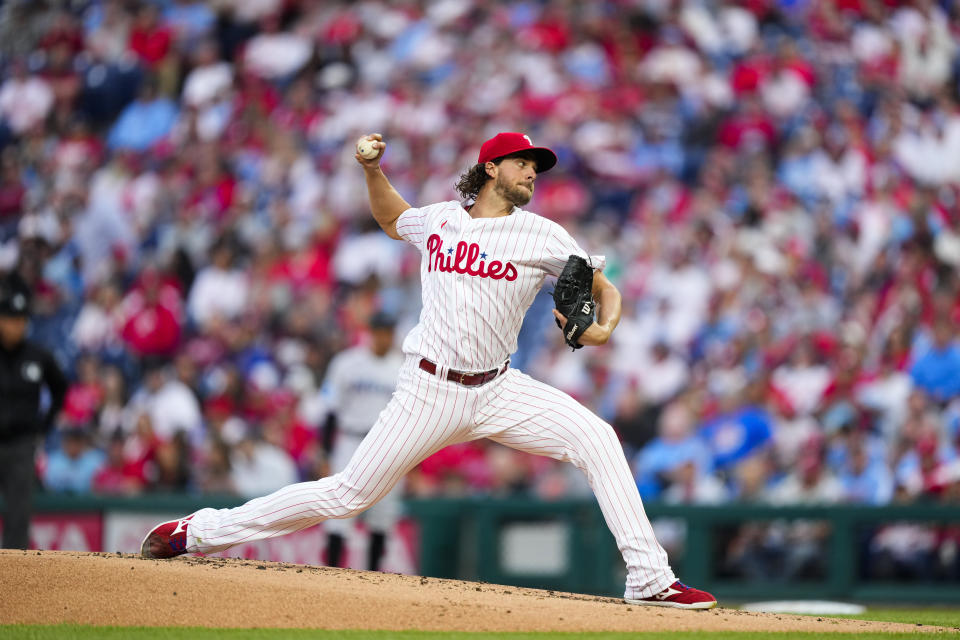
(678, 596)
(166, 540)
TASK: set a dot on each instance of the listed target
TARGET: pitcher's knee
(352, 502)
(359, 504)
(343, 508)
(603, 434)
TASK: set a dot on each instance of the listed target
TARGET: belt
(465, 377)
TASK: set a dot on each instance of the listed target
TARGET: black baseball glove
(573, 297)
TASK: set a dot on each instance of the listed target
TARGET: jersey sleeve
(411, 225)
(560, 246)
(414, 224)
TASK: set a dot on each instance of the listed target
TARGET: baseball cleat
(166, 540)
(678, 596)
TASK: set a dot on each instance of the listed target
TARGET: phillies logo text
(465, 261)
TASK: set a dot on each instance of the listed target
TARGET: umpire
(24, 369)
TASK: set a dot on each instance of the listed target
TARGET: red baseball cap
(503, 144)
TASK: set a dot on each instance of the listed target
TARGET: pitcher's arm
(386, 204)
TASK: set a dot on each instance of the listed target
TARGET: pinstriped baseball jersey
(479, 276)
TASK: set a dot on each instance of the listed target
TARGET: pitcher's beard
(514, 194)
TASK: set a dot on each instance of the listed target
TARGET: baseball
(367, 149)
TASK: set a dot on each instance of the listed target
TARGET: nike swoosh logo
(181, 526)
(443, 223)
(663, 595)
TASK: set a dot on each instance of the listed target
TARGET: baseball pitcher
(481, 267)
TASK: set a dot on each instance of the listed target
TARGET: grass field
(928, 617)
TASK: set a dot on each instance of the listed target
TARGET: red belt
(464, 377)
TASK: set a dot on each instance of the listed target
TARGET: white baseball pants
(428, 413)
(382, 515)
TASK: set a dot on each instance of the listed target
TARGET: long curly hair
(471, 181)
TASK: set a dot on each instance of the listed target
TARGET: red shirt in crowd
(128, 476)
(463, 463)
(305, 270)
(152, 330)
(745, 128)
(153, 312)
(151, 44)
(82, 403)
(11, 198)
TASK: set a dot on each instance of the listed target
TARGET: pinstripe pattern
(415, 424)
(469, 322)
(530, 416)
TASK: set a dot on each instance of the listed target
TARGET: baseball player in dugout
(481, 267)
(25, 369)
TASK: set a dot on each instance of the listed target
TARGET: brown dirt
(121, 589)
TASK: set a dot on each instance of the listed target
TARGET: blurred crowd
(775, 186)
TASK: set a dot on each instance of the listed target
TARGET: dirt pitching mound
(44, 587)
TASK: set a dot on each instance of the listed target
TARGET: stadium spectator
(72, 467)
(259, 467)
(112, 416)
(144, 122)
(811, 482)
(663, 375)
(938, 370)
(12, 194)
(152, 316)
(275, 53)
(209, 79)
(865, 477)
(220, 291)
(215, 475)
(99, 322)
(171, 469)
(736, 433)
(150, 39)
(107, 29)
(668, 454)
(85, 395)
(118, 475)
(25, 99)
(170, 405)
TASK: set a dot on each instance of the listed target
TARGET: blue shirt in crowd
(661, 456)
(74, 475)
(874, 485)
(142, 124)
(938, 371)
(732, 437)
